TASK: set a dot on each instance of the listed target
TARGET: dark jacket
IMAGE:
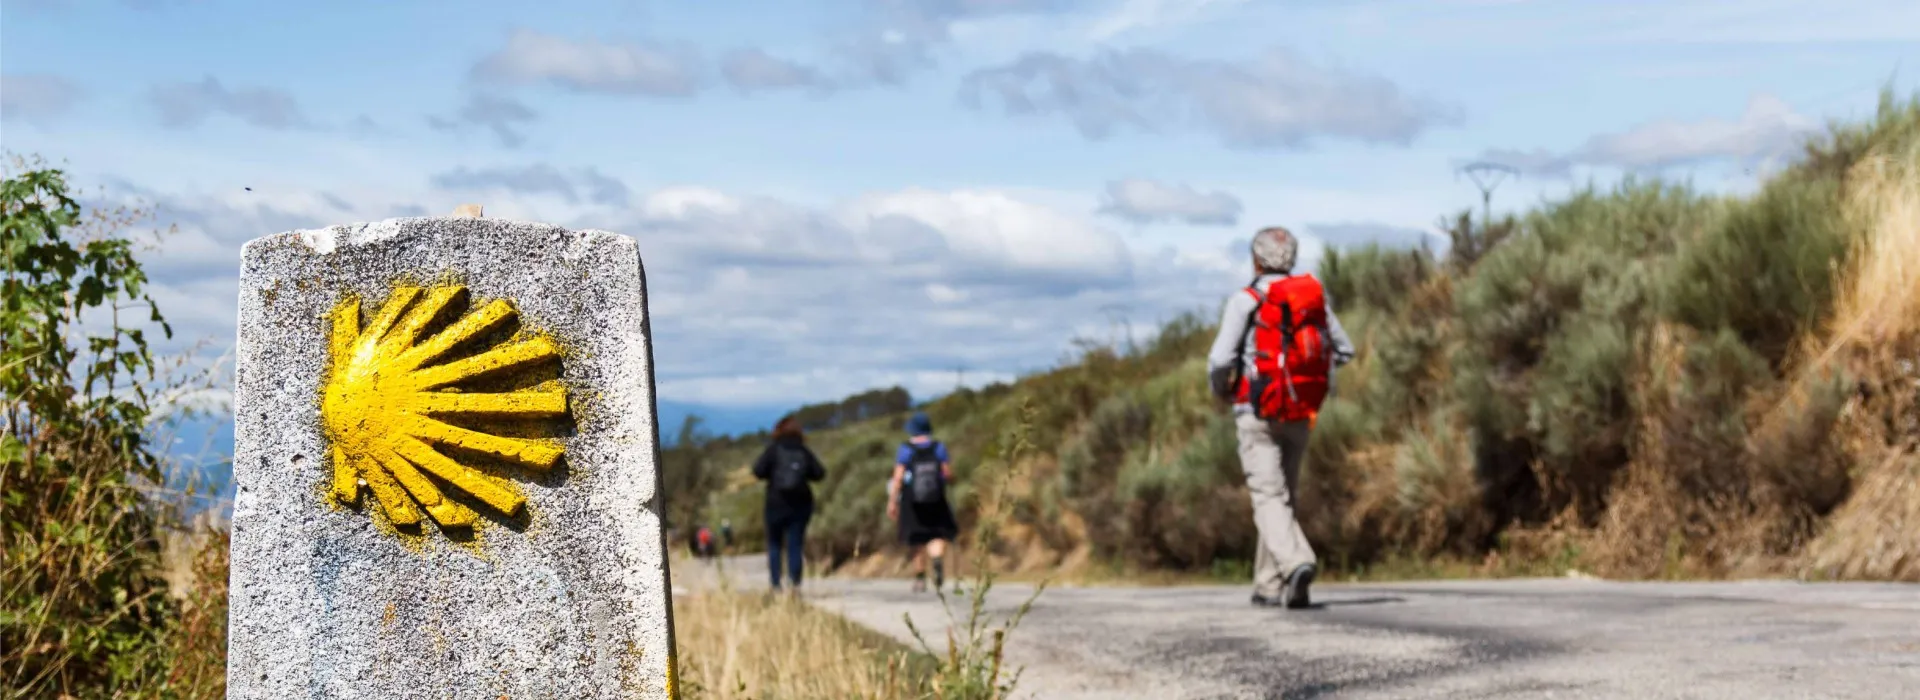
(796, 501)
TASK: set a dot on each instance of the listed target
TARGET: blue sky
(831, 196)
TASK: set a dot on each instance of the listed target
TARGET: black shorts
(923, 523)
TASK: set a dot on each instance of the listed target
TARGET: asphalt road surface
(1536, 638)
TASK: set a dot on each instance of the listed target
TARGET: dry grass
(749, 645)
(197, 642)
(1877, 337)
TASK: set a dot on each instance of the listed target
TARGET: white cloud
(1538, 162)
(996, 228)
(819, 385)
(585, 65)
(1768, 128)
(504, 116)
(187, 105)
(753, 70)
(1144, 201)
(683, 202)
(36, 98)
(1133, 15)
(1278, 100)
(757, 300)
(539, 178)
(1356, 234)
(943, 294)
(1768, 131)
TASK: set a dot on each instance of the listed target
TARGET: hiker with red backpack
(788, 466)
(917, 499)
(703, 543)
(1274, 358)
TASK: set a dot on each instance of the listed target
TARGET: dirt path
(1455, 639)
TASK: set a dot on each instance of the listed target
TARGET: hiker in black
(787, 465)
(917, 499)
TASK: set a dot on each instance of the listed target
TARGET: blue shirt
(905, 454)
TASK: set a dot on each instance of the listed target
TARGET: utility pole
(1487, 176)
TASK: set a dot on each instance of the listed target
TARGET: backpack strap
(1253, 316)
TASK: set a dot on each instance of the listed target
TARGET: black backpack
(789, 469)
(925, 482)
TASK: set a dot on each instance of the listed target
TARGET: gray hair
(1274, 248)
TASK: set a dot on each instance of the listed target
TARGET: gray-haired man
(1274, 357)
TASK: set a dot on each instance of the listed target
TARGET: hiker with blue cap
(917, 500)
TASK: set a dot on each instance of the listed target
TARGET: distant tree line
(692, 461)
(853, 409)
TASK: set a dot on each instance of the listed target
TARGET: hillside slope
(1644, 381)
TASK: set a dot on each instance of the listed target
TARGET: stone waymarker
(447, 467)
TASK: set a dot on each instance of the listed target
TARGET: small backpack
(1287, 377)
(789, 469)
(925, 482)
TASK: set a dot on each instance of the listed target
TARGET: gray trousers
(1270, 455)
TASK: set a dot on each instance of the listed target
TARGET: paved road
(1540, 638)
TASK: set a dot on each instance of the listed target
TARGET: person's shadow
(1342, 602)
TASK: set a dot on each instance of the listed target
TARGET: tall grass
(736, 645)
(1876, 335)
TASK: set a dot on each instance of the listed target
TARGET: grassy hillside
(1642, 381)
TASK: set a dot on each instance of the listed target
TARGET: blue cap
(919, 424)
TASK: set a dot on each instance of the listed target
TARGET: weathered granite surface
(331, 602)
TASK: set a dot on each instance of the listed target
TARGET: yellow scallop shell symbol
(387, 393)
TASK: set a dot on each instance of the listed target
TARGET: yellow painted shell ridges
(385, 397)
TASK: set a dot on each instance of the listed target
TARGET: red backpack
(1287, 380)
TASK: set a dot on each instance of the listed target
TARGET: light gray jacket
(1233, 331)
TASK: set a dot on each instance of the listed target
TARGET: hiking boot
(1295, 593)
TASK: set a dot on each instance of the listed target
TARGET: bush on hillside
(1373, 276)
(1776, 255)
(1547, 322)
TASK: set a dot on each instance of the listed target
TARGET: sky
(838, 195)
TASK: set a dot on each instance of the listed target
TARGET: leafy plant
(971, 667)
(84, 608)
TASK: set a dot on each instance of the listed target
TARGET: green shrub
(1437, 487)
(1373, 276)
(1547, 323)
(1775, 256)
(85, 609)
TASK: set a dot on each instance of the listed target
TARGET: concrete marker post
(446, 454)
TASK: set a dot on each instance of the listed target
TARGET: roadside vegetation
(1642, 381)
(93, 601)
